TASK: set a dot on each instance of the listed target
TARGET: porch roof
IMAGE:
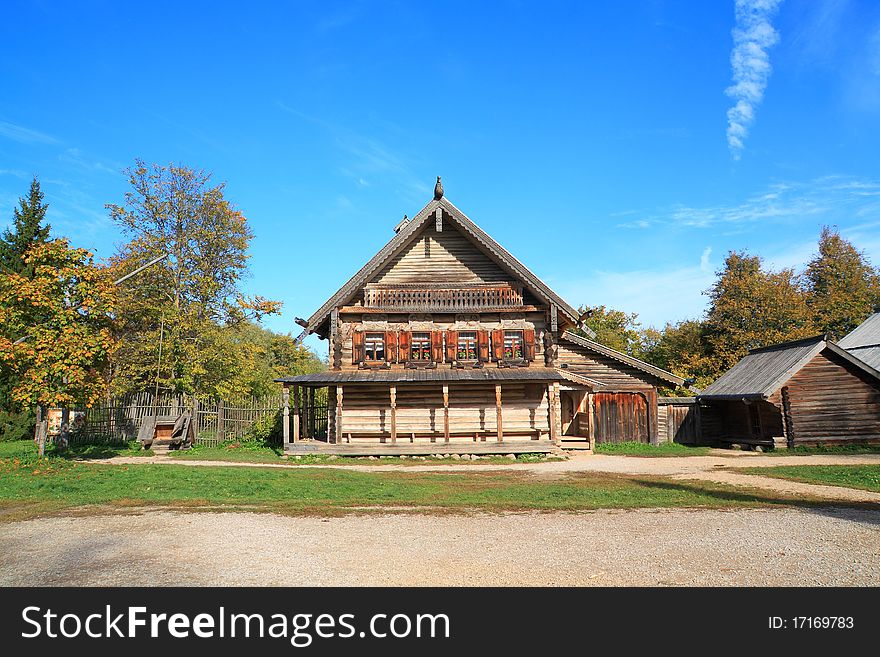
(469, 375)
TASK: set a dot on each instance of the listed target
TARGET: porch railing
(430, 299)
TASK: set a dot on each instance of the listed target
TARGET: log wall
(831, 401)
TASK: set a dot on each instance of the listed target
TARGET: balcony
(426, 298)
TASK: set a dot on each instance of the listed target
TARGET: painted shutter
(529, 344)
(483, 346)
(451, 346)
(357, 347)
(437, 346)
(498, 344)
(390, 346)
(404, 345)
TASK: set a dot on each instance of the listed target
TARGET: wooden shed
(805, 392)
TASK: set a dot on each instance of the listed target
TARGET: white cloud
(24, 135)
(753, 36)
(823, 200)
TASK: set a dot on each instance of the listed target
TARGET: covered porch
(423, 411)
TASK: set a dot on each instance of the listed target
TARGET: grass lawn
(28, 449)
(826, 449)
(644, 449)
(32, 486)
(865, 477)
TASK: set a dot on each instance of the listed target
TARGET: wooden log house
(805, 392)
(446, 343)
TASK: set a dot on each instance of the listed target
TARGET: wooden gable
(444, 257)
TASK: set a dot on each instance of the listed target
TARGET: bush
(266, 430)
(17, 425)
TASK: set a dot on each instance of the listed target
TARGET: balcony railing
(443, 299)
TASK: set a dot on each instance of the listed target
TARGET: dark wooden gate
(621, 417)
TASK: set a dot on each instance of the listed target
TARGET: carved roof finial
(438, 190)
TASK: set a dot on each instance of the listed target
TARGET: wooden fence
(118, 420)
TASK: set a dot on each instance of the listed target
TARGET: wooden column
(310, 415)
(194, 422)
(445, 414)
(285, 413)
(551, 403)
(499, 424)
(393, 392)
(296, 414)
(787, 419)
(338, 414)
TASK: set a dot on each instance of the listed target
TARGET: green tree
(55, 337)
(751, 307)
(681, 349)
(614, 328)
(192, 297)
(843, 287)
(28, 229)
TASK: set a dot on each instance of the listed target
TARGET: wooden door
(621, 417)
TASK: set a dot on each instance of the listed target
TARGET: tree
(681, 349)
(55, 325)
(749, 308)
(843, 287)
(191, 297)
(615, 328)
(28, 229)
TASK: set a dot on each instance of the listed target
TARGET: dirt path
(785, 546)
(717, 468)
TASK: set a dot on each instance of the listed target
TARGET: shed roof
(863, 341)
(469, 375)
(409, 231)
(623, 358)
(763, 371)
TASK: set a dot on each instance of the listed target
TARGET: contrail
(753, 36)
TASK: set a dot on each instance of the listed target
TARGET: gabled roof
(623, 358)
(764, 371)
(863, 341)
(410, 231)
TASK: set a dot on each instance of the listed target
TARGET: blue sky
(618, 149)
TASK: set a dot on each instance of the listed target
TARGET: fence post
(194, 420)
(221, 429)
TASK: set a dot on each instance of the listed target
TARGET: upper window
(467, 345)
(374, 347)
(421, 347)
(513, 345)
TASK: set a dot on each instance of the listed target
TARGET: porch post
(310, 413)
(393, 392)
(338, 414)
(499, 425)
(446, 414)
(285, 413)
(296, 414)
(551, 403)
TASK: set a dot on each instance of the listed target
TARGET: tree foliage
(750, 307)
(192, 299)
(63, 306)
(843, 287)
(28, 229)
(614, 328)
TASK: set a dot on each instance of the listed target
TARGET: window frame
(470, 336)
(371, 338)
(420, 345)
(522, 346)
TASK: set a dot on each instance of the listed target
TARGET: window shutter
(357, 348)
(437, 346)
(529, 344)
(451, 346)
(390, 346)
(483, 346)
(498, 344)
(404, 345)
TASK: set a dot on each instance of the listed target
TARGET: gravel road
(785, 546)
